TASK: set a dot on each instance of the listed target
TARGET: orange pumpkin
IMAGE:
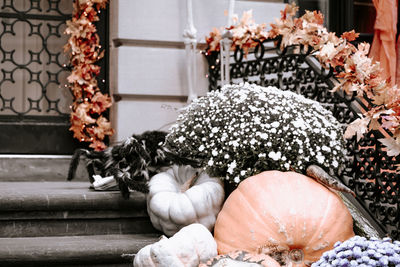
(285, 213)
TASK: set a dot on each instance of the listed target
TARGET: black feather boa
(132, 162)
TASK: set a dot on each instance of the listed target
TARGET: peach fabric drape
(383, 47)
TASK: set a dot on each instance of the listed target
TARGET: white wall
(148, 58)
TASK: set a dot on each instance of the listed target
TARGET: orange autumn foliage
(87, 121)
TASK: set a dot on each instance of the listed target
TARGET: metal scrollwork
(370, 172)
(33, 66)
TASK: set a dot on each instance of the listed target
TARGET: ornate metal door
(34, 96)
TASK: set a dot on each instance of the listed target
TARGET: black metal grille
(33, 72)
(34, 96)
(370, 172)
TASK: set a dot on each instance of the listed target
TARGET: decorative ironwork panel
(34, 96)
(370, 171)
(372, 174)
(33, 65)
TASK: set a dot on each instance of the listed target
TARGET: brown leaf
(97, 145)
(350, 36)
(393, 147)
(357, 127)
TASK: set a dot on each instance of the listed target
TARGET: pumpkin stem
(324, 178)
(296, 255)
(189, 183)
(275, 251)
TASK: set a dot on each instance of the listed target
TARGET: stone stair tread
(71, 250)
(65, 195)
(32, 228)
(34, 167)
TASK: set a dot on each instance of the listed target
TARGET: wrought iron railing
(371, 173)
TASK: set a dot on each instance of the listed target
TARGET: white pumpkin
(187, 248)
(183, 195)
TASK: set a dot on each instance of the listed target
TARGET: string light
(86, 39)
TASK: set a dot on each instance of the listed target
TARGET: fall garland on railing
(354, 70)
(87, 121)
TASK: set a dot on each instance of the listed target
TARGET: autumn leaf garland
(354, 70)
(87, 120)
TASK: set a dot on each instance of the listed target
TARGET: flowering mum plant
(355, 72)
(87, 121)
(245, 129)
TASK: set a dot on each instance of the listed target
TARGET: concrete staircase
(59, 223)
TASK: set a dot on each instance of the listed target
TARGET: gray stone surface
(38, 168)
(30, 209)
(56, 196)
(71, 250)
(68, 227)
(68, 224)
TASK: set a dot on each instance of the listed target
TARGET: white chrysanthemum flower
(234, 143)
(215, 130)
(335, 163)
(299, 123)
(231, 167)
(286, 165)
(275, 155)
(320, 158)
(325, 148)
(264, 136)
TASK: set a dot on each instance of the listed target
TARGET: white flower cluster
(245, 129)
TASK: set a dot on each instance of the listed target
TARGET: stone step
(16, 167)
(56, 196)
(36, 228)
(94, 250)
(29, 209)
